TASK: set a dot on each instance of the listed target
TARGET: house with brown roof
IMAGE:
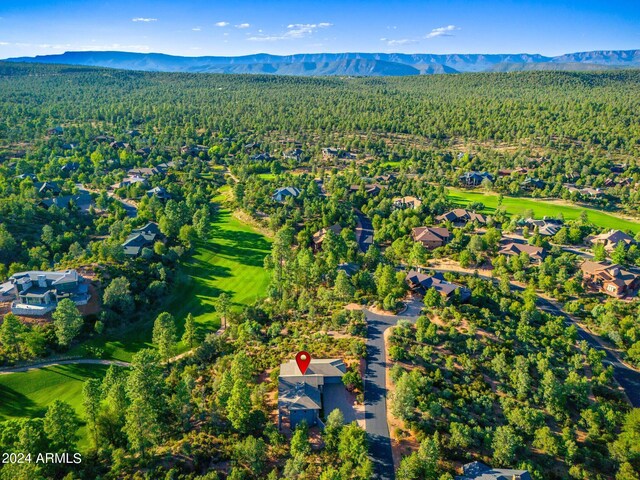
(610, 279)
(612, 239)
(320, 235)
(431, 237)
(536, 254)
(460, 217)
(371, 190)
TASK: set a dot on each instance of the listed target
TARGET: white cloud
(393, 42)
(4, 43)
(294, 31)
(243, 25)
(442, 31)
(144, 19)
(196, 29)
(222, 24)
(114, 46)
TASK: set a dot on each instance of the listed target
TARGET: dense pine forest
(277, 214)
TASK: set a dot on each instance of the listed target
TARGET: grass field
(28, 394)
(542, 208)
(230, 261)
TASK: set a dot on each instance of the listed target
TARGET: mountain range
(349, 64)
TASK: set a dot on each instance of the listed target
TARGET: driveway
(364, 231)
(334, 395)
(375, 389)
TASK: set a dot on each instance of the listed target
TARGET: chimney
(42, 281)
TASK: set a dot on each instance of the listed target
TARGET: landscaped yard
(28, 394)
(541, 208)
(230, 261)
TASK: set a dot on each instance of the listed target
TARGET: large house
(473, 179)
(160, 193)
(37, 293)
(612, 239)
(431, 237)
(530, 183)
(421, 282)
(460, 217)
(610, 279)
(585, 192)
(294, 154)
(283, 192)
(319, 236)
(547, 227)
(536, 254)
(371, 190)
(82, 200)
(301, 397)
(480, 471)
(400, 203)
(141, 238)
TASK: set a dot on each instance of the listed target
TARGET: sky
(241, 27)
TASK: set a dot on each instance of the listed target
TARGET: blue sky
(238, 27)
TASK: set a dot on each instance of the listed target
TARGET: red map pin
(303, 359)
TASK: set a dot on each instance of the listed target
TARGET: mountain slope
(348, 63)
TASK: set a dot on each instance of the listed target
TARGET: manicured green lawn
(28, 394)
(541, 208)
(230, 261)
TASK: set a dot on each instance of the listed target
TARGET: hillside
(354, 64)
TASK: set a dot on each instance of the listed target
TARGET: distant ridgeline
(350, 64)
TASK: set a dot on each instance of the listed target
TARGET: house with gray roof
(283, 192)
(159, 192)
(473, 179)
(38, 293)
(82, 200)
(303, 397)
(480, 471)
(421, 282)
(141, 238)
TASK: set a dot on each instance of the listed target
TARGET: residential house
(131, 180)
(55, 131)
(536, 254)
(38, 293)
(473, 179)
(421, 282)
(282, 193)
(82, 200)
(103, 138)
(480, 471)
(532, 184)
(159, 192)
(261, 157)
(24, 176)
(547, 227)
(70, 167)
(431, 237)
(585, 192)
(45, 188)
(370, 190)
(295, 154)
(612, 239)
(319, 236)
(460, 217)
(349, 268)
(610, 279)
(193, 150)
(400, 203)
(141, 238)
(390, 178)
(301, 397)
(133, 133)
(329, 153)
(118, 145)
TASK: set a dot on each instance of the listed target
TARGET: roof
(325, 367)
(608, 272)
(296, 393)
(408, 200)
(82, 200)
(437, 282)
(432, 234)
(513, 248)
(53, 278)
(287, 192)
(349, 268)
(319, 236)
(612, 237)
(458, 214)
(480, 471)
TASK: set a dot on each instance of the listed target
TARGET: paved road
(375, 389)
(364, 231)
(627, 378)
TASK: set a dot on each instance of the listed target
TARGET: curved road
(627, 378)
(375, 388)
(364, 231)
